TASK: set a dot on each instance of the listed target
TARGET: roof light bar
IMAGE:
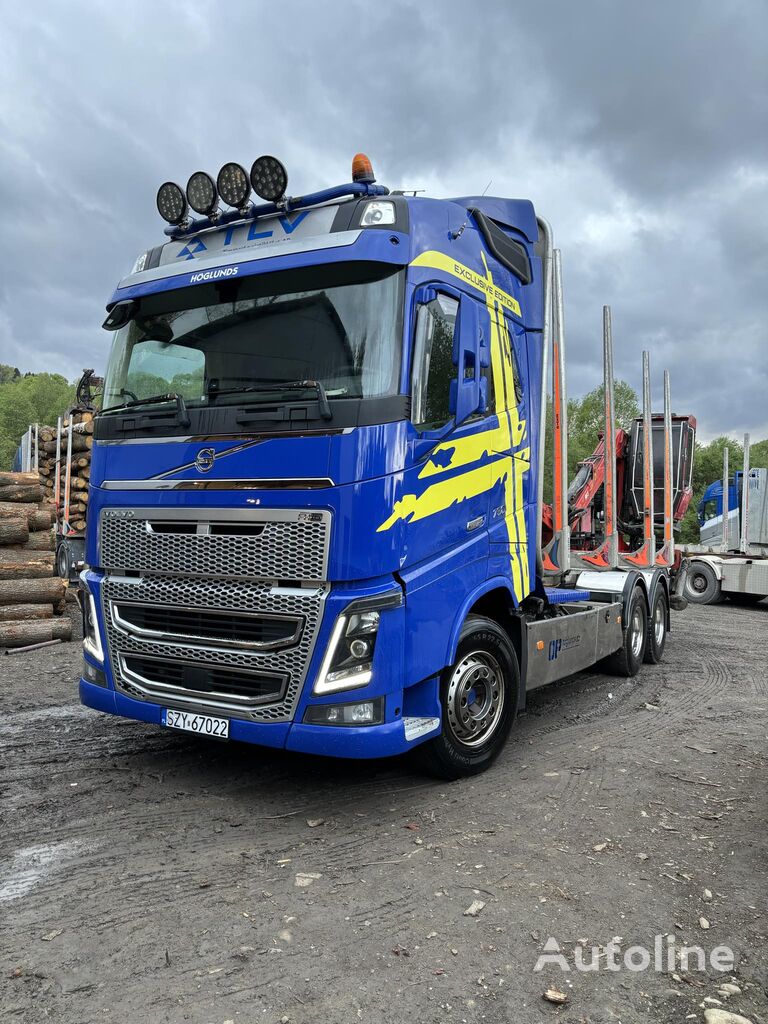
(201, 193)
(269, 178)
(233, 185)
(171, 203)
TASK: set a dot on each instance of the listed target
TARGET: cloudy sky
(639, 130)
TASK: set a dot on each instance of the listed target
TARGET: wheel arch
(494, 600)
(714, 563)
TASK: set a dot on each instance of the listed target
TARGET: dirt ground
(150, 877)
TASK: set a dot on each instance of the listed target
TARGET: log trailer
(316, 482)
(61, 456)
(732, 559)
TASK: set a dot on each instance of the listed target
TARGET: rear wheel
(657, 628)
(479, 701)
(629, 657)
(62, 561)
(701, 585)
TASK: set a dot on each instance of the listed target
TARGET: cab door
(443, 497)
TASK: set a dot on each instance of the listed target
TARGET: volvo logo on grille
(205, 459)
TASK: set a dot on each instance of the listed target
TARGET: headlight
(348, 661)
(91, 635)
(377, 212)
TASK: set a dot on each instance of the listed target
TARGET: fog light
(367, 712)
(94, 675)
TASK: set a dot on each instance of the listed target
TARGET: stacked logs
(82, 442)
(30, 594)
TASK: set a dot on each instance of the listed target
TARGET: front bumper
(370, 741)
(417, 705)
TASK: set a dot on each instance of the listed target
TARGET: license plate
(205, 725)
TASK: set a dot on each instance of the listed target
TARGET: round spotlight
(269, 178)
(201, 193)
(171, 202)
(233, 185)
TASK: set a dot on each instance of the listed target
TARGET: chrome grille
(202, 626)
(215, 595)
(271, 544)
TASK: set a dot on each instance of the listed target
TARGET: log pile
(31, 597)
(82, 442)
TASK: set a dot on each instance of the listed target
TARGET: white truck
(732, 558)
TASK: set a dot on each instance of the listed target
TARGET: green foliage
(585, 423)
(34, 398)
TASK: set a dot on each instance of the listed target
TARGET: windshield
(248, 339)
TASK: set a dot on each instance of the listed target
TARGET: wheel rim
(659, 623)
(475, 699)
(636, 631)
(698, 582)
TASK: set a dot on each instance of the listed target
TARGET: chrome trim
(210, 643)
(267, 435)
(292, 484)
(292, 662)
(214, 699)
(216, 455)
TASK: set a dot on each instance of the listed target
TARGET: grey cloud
(638, 129)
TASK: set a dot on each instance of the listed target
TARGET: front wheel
(479, 695)
(657, 628)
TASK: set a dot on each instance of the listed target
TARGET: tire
(702, 586)
(745, 599)
(629, 657)
(658, 627)
(62, 561)
(485, 671)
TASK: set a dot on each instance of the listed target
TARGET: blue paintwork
(442, 567)
(714, 492)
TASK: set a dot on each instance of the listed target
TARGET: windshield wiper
(288, 385)
(172, 396)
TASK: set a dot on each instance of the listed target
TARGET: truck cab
(317, 460)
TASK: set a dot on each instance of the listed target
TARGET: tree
(33, 398)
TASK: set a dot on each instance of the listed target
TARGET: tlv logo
(554, 649)
(190, 249)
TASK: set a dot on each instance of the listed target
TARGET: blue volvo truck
(316, 484)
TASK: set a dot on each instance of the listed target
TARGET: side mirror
(469, 391)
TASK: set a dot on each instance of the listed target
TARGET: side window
(433, 367)
(519, 391)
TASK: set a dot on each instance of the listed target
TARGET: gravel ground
(146, 876)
